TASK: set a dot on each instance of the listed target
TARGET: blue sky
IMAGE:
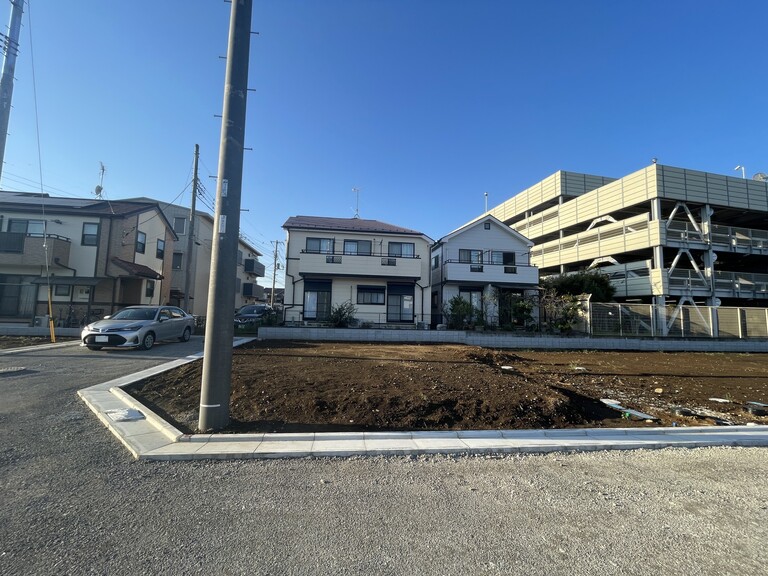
(422, 105)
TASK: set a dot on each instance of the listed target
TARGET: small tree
(591, 282)
(342, 315)
(561, 312)
(459, 313)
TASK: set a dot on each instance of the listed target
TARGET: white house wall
(367, 270)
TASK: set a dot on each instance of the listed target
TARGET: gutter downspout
(293, 298)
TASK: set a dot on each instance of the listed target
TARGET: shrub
(457, 312)
(342, 315)
(591, 282)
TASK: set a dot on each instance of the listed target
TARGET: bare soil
(280, 386)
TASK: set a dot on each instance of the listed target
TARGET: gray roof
(346, 225)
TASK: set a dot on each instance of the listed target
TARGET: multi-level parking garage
(665, 236)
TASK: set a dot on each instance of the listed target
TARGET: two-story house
(487, 264)
(381, 268)
(191, 262)
(90, 255)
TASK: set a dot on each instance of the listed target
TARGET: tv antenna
(357, 202)
(100, 186)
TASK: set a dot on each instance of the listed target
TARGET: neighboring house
(198, 266)
(487, 264)
(382, 269)
(664, 235)
(95, 255)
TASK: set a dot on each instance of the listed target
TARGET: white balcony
(376, 265)
(454, 271)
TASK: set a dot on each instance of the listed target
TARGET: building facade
(382, 269)
(486, 263)
(666, 236)
(91, 256)
(193, 270)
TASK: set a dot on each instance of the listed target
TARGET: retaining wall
(506, 340)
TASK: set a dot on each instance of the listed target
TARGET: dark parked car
(251, 315)
(138, 327)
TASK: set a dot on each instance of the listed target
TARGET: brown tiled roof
(346, 224)
(137, 269)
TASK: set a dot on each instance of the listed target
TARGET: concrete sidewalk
(149, 437)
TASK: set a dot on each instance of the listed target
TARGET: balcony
(455, 271)
(18, 249)
(253, 267)
(373, 265)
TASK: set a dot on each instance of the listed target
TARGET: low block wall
(505, 340)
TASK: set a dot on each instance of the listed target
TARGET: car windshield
(251, 309)
(135, 314)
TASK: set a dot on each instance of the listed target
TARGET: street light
(743, 171)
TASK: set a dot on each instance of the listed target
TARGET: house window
(180, 225)
(320, 245)
(160, 252)
(239, 257)
(474, 297)
(504, 258)
(29, 227)
(317, 300)
(90, 234)
(62, 290)
(471, 256)
(178, 260)
(400, 302)
(435, 261)
(149, 291)
(486, 225)
(401, 249)
(141, 242)
(360, 247)
(370, 294)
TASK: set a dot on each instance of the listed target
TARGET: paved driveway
(75, 502)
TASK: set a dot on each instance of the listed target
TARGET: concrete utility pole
(190, 233)
(11, 49)
(274, 275)
(219, 328)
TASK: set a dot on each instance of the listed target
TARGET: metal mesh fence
(639, 320)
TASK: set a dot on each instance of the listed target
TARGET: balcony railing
(456, 271)
(374, 264)
(17, 248)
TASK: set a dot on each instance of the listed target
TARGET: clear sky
(422, 105)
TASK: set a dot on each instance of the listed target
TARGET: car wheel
(148, 341)
(186, 335)
(94, 347)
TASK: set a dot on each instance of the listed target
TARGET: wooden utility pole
(219, 324)
(190, 234)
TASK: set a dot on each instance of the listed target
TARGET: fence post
(621, 321)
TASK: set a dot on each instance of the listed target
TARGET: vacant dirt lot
(280, 386)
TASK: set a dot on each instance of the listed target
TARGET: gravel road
(74, 502)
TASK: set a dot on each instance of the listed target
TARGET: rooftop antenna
(100, 186)
(743, 171)
(357, 202)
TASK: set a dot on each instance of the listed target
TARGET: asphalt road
(75, 502)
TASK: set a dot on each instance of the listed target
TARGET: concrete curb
(147, 436)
